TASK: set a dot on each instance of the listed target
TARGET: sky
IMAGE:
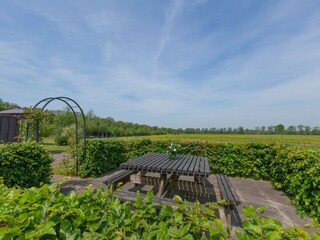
(178, 63)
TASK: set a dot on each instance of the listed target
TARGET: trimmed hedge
(294, 170)
(101, 156)
(45, 213)
(24, 164)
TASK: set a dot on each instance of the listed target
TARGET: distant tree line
(120, 128)
(279, 129)
(59, 123)
(7, 105)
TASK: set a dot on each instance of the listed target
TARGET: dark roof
(14, 111)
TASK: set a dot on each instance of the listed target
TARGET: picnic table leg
(163, 178)
(228, 212)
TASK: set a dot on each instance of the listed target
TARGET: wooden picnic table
(182, 165)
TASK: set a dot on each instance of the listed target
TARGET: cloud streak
(173, 64)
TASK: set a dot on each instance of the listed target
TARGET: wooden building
(9, 128)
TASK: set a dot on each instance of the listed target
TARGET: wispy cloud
(172, 12)
(175, 64)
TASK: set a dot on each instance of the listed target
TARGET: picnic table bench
(229, 194)
(121, 176)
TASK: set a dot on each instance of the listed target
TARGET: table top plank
(156, 162)
(160, 163)
(187, 166)
(191, 167)
(207, 167)
(167, 165)
(164, 160)
(202, 166)
(140, 162)
(173, 165)
(196, 166)
(186, 162)
(180, 163)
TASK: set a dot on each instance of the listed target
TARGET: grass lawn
(52, 147)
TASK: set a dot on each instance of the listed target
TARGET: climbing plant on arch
(73, 105)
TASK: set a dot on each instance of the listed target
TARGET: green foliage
(7, 105)
(60, 125)
(67, 136)
(259, 227)
(294, 170)
(34, 116)
(24, 164)
(45, 213)
(101, 156)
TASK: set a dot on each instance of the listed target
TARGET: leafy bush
(66, 136)
(45, 213)
(24, 164)
(259, 227)
(101, 156)
(291, 169)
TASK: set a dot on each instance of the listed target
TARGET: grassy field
(296, 140)
(52, 147)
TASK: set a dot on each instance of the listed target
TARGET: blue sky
(167, 63)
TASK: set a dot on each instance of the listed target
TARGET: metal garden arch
(69, 102)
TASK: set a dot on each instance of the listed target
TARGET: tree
(7, 105)
(240, 130)
(292, 130)
(279, 129)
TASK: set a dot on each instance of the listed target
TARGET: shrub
(101, 156)
(45, 213)
(24, 164)
(66, 136)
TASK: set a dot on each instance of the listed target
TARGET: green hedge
(45, 213)
(101, 156)
(24, 164)
(294, 170)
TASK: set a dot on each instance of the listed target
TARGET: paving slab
(259, 193)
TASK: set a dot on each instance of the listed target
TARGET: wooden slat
(160, 162)
(202, 167)
(191, 167)
(142, 164)
(157, 160)
(147, 162)
(187, 165)
(172, 166)
(207, 167)
(234, 194)
(131, 163)
(186, 161)
(161, 165)
(131, 196)
(165, 168)
(227, 191)
(117, 177)
(196, 167)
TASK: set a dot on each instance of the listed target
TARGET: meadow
(309, 141)
(295, 140)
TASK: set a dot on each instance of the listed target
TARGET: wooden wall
(9, 129)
